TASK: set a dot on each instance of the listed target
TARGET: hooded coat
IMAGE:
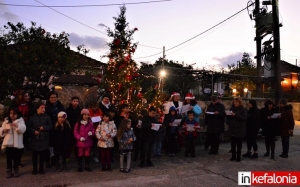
(237, 127)
(169, 118)
(287, 121)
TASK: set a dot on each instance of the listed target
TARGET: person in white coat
(12, 130)
(174, 101)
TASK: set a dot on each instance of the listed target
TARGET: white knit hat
(62, 114)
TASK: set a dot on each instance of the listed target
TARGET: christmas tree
(121, 78)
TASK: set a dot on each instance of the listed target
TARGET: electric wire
(198, 34)
(80, 6)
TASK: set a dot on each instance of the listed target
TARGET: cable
(70, 18)
(80, 6)
(198, 34)
(149, 46)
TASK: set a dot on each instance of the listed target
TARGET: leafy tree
(245, 66)
(31, 58)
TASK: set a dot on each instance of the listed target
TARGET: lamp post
(162, 74)
(245, 92)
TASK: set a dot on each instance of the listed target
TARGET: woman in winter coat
(12, 130)
(252, 127)
(39, 126)
(286, 127)
(237, 128)
(269, 127)
(105, 134)
(83, 133)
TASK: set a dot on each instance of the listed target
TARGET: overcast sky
(164, 24)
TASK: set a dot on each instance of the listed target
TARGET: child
(190, 126)
(172, 131)
(95, 112)
(62, 133)
(12, 130)
(105, 133)
(83, 133)
(125, 138)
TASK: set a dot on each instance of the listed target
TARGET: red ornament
(100, 76)
(128, 77)
(119, 86)
(117, 42)
(139, 95)
(127, 58)
(135, 29)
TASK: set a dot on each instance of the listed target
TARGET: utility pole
(277, 61)
(163, 71)
(258, 39)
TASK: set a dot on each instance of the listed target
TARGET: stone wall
(85, 94)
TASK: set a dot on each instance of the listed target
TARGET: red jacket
(191, 122)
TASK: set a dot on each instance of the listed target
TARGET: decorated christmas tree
(121, 77)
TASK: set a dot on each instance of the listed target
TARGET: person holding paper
(137, 145)
(84, 132)
(215, 124)
(172, 131)
(269, 127)
(237, 128)
(148, 122)
(190, 126)
(286, 126)
(105, 133)
(252, 126)
(95, 114)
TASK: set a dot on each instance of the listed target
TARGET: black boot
(233, 157)
(16, 172)
(9, 173)
(272, 155)
(255, 155)
(80, 164)
(248, 154)
(238, 157)
(108, 167)
(87, 164)
(103, 167)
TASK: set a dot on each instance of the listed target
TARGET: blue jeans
(157, 148)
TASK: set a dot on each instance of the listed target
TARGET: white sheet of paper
(96, 119)
(176, 122)
(190, 128)
(229, 113)
(276, 115)
(156, 127)
(185, 108)
(209, 112)
(140, 124)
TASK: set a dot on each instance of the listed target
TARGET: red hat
(174, 93)
(189, 96)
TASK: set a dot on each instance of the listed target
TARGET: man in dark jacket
(148, 136)
(73, 114)
(39, 126)
(214, 119)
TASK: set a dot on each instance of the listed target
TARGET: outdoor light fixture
(234, 90)
(163, 73)
(245, 90)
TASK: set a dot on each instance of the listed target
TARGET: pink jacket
(83, 132)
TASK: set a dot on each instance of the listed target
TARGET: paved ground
(204, 170)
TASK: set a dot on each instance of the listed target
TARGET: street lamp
(162, 75)
(234, 92)
(245, 92)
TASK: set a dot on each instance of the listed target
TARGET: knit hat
(189, 96)
(85, 111)
(174, 93)
(62, 114)
(106, 95)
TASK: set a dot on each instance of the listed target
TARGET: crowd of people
(53, 133)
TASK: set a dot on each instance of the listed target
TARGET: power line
(71, 18)
(80, 6)
(199, 34)
(84, 23)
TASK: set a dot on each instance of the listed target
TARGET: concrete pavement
(204, 170)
